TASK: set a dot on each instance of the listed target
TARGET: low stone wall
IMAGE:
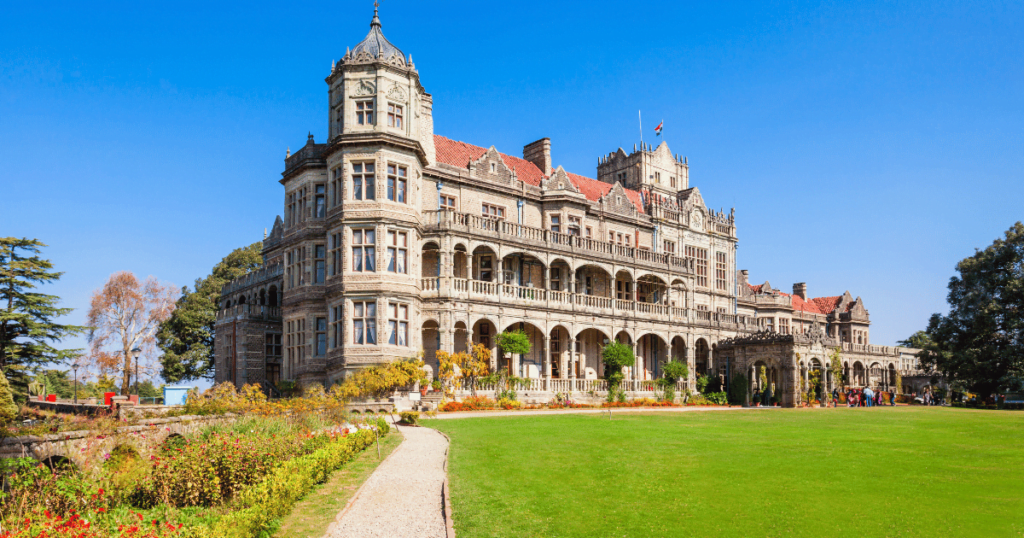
(81, 446)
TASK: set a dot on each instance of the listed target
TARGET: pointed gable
(460, 154)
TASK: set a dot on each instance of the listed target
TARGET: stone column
(547, 362)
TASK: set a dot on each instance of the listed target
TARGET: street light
(135, 353)
(74, 368)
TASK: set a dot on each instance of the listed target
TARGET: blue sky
(865, 146)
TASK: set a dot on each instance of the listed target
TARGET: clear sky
(866, 146)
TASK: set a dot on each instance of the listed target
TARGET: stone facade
(397, 242)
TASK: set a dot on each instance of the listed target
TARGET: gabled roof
(816, 305)
(460, 154)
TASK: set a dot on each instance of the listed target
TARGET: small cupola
(376, 47)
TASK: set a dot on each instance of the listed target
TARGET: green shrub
(260, 505)
(702, 383)
(409, 417)
(8, 409)
(738, 389)
(719, 398)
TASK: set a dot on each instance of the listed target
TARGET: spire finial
(376, 19)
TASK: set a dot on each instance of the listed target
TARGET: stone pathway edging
(446, 500)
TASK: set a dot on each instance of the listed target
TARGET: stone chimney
(800, 289)
(539, 153)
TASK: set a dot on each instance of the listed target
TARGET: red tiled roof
(757, 288)
(459, 154)
(816, 305)
(594, 190)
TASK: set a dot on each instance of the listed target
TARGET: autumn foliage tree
(123, 315)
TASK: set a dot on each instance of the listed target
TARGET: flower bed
(229, 479)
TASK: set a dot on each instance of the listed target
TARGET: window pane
(371, 237)
(357, 331)
(371, 331)
(357, 168)
(357, 236)
(357, 188)
(358, 309)
(391, 260)
(371, 310)
(369, 168)
(403, 332)
(357, 259)
(392, 332)
(371, 259)
(371, 194)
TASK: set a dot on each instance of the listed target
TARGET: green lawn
(802, 472)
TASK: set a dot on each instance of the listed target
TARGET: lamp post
(74, 368)
(135, 353)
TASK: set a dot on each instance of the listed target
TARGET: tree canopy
(514, 342)
(125, 314)
(980, 342)
(186, 338)
(27, 327)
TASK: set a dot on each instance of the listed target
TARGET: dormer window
(494, 168)
(395, 115)
(364, 112)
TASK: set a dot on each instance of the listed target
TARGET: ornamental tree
(124, 314)
(514, 343)
(187, 336)
(616, 356)
(980, 342)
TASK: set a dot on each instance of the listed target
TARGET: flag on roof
(657, 130)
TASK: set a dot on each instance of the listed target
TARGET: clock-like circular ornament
(696, 220)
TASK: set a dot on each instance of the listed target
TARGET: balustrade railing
(445, 219)
(429, 284)
(460, 284)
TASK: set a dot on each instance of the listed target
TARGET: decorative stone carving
(397, 94)
(364, 88)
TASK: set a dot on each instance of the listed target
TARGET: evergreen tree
(8, 409)
(980, 343)
(186, 339)
(27, 327)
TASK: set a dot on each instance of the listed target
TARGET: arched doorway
(589, 343)
(561, 350)
(431, 343)
(461, 337)
(858, 374)
(529, 365)
(702, 357)
(652, 353)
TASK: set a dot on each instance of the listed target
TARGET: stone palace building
(397, 241)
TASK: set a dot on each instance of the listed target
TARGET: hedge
(275, 496)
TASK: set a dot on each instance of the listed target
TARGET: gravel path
(402, 498)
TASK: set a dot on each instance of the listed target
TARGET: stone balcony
(250, 312)
(451, 288)
(537, 238)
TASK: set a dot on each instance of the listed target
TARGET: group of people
(862, 398)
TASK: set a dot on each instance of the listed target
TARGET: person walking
(835, 397)
(892, 399)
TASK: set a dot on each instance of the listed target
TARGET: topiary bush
(738, 389)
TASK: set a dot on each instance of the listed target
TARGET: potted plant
(436, 385)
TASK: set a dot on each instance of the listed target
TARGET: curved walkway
(403, 497)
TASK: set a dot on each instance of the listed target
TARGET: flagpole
(641, 128)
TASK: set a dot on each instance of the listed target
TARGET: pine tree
(27, 326)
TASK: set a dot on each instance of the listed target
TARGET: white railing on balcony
(484, 288)
(654, 309)
(510, 291)
(591, 301)
(563, 297)
(623, 305)
(429, 284)
(460, 284)
(445, 219)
